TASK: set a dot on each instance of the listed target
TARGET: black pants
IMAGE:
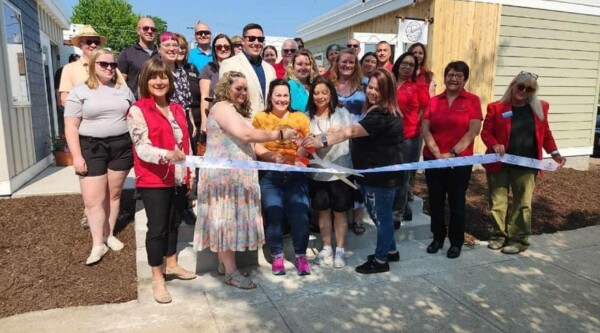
(162, 206)
(453, 183)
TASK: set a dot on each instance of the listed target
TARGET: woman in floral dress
(229, 215)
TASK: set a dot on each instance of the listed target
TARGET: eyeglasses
(170, 46)
(407, 64)
(91, 41)
(237, 45)
(455, 76)
(533, 75)
(251, 39)
(203, 33)
(290, 51)
(528, 89)
(222, 47)
(353, 46)
(105, 64)
(146, 29)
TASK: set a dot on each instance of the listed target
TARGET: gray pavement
(552, 287)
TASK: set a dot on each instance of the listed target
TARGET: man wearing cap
(132, 59)
(258, 72)
(202, 54)
(76, 72)
(288, 48)
(236, 40)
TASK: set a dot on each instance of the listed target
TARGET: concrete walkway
(552, 287)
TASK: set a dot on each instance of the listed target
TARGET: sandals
(179, 273)
(358, 228)
(162, 297)
(237, 280)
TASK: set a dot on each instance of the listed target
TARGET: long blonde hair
(532, 98)
(356, 78)
(223, 92)
(92, 82)
(291, 73)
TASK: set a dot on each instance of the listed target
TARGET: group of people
(149, 108)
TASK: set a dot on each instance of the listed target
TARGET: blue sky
(277, 17)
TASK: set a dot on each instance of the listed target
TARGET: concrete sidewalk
(552, 287)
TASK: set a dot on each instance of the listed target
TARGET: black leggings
(162, 206)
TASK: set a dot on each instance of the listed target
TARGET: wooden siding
(467, 31)
(320, 44)
(564, 50)
(388, 23)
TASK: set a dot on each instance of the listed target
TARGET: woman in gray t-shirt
(97, 135)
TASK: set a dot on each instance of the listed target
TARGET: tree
(112, 18)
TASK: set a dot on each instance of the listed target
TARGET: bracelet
(281, 135)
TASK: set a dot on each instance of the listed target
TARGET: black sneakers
(392, 257)
(372, 266)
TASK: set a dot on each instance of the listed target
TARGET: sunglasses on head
(352, 46)
(203, 33)
(288, 51)
(222, 47)
(251, 39)
(533, 75)
(91, 41)
(146, 29)
(523, 86)
(105, 64)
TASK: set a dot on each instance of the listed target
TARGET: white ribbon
(225, 163)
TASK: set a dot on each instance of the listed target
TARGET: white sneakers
(114, 243)
(326, 257)
(97, 253)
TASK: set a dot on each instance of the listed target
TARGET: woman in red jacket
(159, 133)
(517, 124)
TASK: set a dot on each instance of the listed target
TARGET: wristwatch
(453, 152)
(324, 140)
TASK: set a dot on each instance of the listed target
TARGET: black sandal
(358, 228)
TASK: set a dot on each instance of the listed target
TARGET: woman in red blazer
(517, 124)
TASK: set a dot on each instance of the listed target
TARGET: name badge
(507, 114)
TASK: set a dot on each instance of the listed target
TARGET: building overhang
(56, 10)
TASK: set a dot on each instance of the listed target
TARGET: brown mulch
(42, 256)
(563, 200)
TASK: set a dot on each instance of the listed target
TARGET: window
(368, 43)
(17, 69)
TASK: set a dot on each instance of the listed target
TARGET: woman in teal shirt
(300, 73)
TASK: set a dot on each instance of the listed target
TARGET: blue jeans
(411, 151)
(379, 202)
(285, 197)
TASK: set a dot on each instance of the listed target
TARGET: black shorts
(100, 154)
(335, 195)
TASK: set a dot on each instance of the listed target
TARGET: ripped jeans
(379, 202)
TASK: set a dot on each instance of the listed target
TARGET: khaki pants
(517, 229)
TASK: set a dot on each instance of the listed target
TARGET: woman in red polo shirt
(516, 124)
(412, 101)
(451, 122)
(424, 75)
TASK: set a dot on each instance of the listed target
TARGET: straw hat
(87, 31)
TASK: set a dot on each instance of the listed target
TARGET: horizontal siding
(320, 44)
(564, 50)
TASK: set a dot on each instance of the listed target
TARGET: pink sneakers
(277, 267)
(302, 266)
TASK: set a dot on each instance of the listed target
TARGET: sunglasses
(237, 45)
(533, 75)
(528, 89)
(222, 47)
(251, 39)
(352, 46)
(105, 64)
(146, 29)
(91, 41)
(290, 51)
(203, 33)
